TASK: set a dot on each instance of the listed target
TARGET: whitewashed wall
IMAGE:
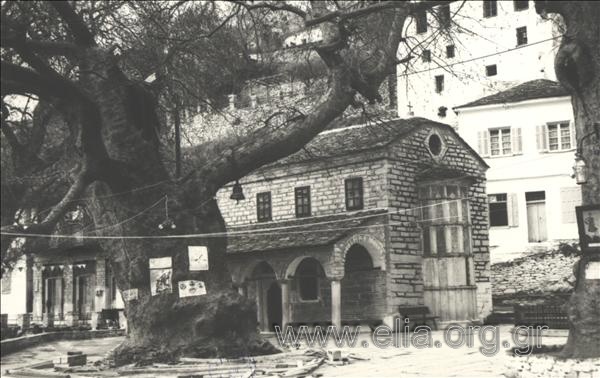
(14, 303)
(529, 171)
(477, 37)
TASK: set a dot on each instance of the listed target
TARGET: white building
(526, 135)
(488, 46)
(14, 294)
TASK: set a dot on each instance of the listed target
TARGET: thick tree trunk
(163, 326)
(577, 67)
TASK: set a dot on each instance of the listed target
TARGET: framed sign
(588, 223)
(160, 275)
(198, 257)
(191, 288)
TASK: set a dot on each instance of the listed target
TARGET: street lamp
(580, 168)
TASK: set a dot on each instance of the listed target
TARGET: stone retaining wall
(545, 277)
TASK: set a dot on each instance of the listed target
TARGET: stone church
(366, 219)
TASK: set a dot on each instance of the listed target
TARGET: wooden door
(274, 306)
(448, 291)
(536, 222)
(84, 291)
(53, 297)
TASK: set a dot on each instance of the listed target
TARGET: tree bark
(129, 186)
(577, 66)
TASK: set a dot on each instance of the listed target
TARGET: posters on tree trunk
(160, 275)
(198, 257)
(191, 288)
(130, 295)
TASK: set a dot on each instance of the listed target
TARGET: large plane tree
(60, 53)
(63, 54)
(577, 66)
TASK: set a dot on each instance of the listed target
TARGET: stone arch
(293, 265)
(248, 270)
(372, 245)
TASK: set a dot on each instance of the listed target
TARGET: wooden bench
(418, 315)
(552, 316)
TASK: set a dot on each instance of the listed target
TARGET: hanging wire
(263, 231)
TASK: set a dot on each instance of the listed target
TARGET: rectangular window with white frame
(503, 210)
(559, 136)
(556, 136)
(502, 141)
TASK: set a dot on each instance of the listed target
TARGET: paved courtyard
(372, 361)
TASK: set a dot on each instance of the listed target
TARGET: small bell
(237, 193)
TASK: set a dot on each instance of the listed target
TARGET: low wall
(542, 278)
(14, 345)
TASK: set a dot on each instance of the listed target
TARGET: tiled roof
(303, 232)
(340, 141)
(530, 90)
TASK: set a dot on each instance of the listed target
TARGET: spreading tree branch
(81, 33)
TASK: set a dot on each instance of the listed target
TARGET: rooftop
(530, 90)
(341, 139)
(303, 232)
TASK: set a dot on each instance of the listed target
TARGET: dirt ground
(438, 361)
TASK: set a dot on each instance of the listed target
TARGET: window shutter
(517, 141)
(483, 149)
(542, 141)
(573, 136)
(512, 208)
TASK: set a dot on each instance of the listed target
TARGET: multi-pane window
(302, 196)
(426, 56)
(490, 8)
(450, 51)
(354, 193)
(443, 13)
(500, 142)
(498, 209)
(521, 5)
(421, 20)
(444, 215)
(491, 70)
(559, 136)
(439, 83)
(263, 206)
(522, 35)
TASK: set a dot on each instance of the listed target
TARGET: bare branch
(77, 26)
(42, 47)
(278, 6)
(21, 80)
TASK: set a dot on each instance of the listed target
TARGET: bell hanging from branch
(237, 193)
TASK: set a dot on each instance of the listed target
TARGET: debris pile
(296, 364)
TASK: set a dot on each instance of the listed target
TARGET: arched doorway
(361, 287)
(262, 285)
(309, 275)
(274, 306)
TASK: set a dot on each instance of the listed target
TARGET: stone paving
(442, 361)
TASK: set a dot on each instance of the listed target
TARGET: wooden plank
(443, 273)
(427, 271)
(450, 271)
